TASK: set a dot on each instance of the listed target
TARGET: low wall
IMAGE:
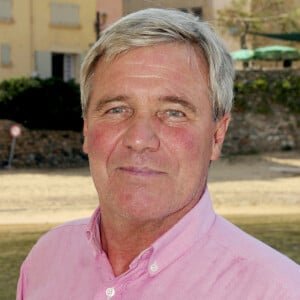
(42, 148)
(256, 133)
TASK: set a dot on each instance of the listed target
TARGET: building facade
(48, 38)
(45, 38)
(207, 10)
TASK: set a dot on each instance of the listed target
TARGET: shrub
(41, 103)
(261, 94)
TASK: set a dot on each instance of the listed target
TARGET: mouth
(140, 171)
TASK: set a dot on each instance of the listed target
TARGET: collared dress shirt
(203, 256)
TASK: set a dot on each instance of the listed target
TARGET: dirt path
(268, 184)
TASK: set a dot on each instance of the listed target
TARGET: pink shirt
(202, 257)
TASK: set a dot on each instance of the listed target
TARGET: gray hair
(155, 26)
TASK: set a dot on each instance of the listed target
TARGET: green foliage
(260, 84)
(41, 103)
(13, 87)
(241, 17)
(260, 95)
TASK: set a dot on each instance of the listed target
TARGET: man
(156, 99)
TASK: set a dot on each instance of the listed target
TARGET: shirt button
(110, 292)
(154, 267)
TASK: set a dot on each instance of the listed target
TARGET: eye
(117, 110)
(173, 113)
(172, 116)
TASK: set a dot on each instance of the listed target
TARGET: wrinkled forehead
(188, 56)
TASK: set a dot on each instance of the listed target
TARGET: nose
(141, 136)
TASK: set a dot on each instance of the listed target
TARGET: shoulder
(59, 239)
(266, 263)
(62, 231)
(59, 253)
(74, 224)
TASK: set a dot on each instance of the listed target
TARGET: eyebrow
(179, 100)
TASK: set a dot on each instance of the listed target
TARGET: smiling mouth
(137, 171)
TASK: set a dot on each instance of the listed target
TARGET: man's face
(149, 132)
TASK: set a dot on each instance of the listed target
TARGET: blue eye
(116, 110)
(175, 113)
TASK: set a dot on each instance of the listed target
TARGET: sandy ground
(257, 184)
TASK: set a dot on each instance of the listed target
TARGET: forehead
(174, 57)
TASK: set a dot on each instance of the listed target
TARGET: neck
(123, 239)
(123, 242)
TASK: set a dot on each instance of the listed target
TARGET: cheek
(101, 140)
(183, 142)
(189, 143)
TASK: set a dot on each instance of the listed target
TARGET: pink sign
(15, 130)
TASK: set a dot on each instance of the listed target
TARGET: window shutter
(43, 64)
(5, 10)
(5, 55)
(65, 14)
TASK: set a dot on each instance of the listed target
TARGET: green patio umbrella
(276, 53)
(242, 55)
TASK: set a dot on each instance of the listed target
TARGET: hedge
(41, 103)
(261, 94)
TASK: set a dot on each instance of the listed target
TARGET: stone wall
(251, 132)
(256, 133)
(42, 148)
(248, 132)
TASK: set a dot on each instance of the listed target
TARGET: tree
(245, 16)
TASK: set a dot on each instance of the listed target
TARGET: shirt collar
(93, 232)
(192, 228)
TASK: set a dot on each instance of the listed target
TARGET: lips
(140, 171)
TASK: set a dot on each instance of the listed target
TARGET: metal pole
(12, 150)
(97, 25)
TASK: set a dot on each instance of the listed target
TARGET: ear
(219, 136)
(85, 130)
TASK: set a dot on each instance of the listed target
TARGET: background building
(45, 38)
(207, 10)
(48, 38)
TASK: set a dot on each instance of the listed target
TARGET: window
(54, 64)
(5, 10)
(197, 11)
(68, 67)
(63, 66)
(5, 55)
(65, 14)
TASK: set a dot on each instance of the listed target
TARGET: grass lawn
(15, 242)
(280, 232)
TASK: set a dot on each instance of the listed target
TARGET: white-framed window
(59, 65)
(65, 14)
(5, 55)
(5, 10)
